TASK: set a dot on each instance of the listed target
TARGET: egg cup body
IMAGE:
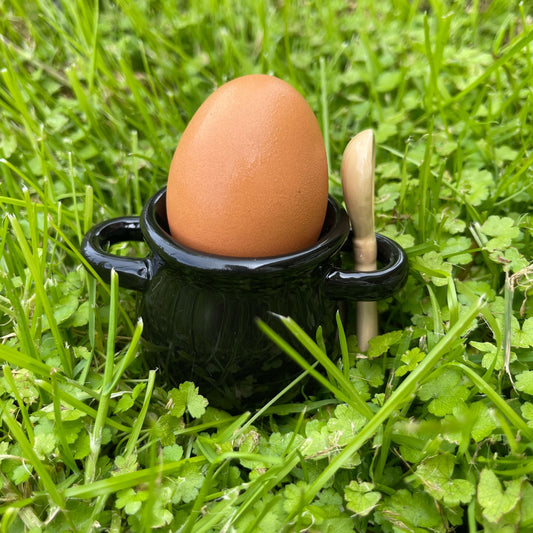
(200, 310)
(205, 332)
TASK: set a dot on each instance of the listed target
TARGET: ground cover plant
(430, 430)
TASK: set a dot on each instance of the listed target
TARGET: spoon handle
(357, 172)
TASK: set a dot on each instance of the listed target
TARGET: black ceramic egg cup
(199, 309)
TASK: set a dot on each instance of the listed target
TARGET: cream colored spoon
(357, 172)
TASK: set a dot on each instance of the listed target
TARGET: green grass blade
(15, 358)
(45, 478)
(331, 368)
(128, 357)
(514, 48)
(28, 427)
(125, 481)
(74, 199)
(78, 404)
(103, 405)
(34, 267)
(344, 347)
(66, 451)
(395, 401)
(291, 352)
(269, 404)
(23, 330)
(496, 399)
(136, 429)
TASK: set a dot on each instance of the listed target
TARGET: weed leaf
(494, 499)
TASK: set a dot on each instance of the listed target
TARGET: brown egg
(249, 177)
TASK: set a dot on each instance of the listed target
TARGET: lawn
(430, 429)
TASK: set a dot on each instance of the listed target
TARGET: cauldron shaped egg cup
(199, 309)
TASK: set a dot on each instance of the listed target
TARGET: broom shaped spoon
(357, 173)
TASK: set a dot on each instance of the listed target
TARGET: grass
(429, 430)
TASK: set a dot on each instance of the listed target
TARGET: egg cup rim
(334, 233)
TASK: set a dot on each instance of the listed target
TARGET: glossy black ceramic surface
(199, 309)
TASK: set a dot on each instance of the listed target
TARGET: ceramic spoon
(357, 172)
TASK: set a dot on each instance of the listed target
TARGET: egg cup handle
(133, 272)
(371, 286)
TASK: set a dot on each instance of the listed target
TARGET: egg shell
(249, 177)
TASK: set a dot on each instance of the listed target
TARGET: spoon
(357, 172)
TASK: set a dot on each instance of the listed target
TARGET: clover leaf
(436, 474)
(478, 184)
(494, 499)
(444, 392)
(502, 230)
(411, 358)
(406, 511)
(361, 498)
(524, 338)
(187, 397)
(524, 382)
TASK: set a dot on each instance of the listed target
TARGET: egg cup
(199, 309)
